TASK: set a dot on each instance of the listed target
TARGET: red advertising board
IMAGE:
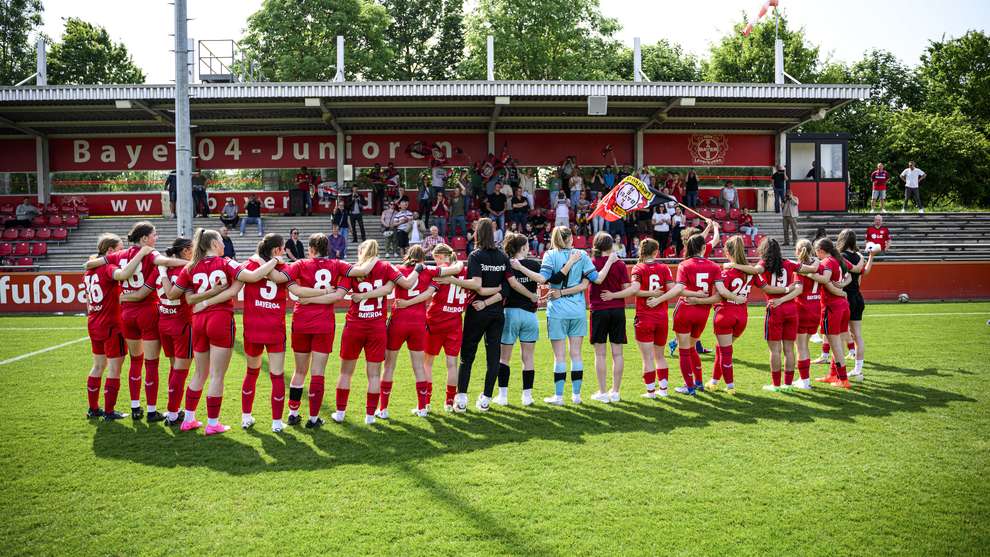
(707, 149)
(17, 155)
(550, 149)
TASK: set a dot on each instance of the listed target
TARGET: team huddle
(181, 302)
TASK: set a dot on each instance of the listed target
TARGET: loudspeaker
(597, 105)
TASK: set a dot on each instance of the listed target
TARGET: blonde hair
(736, 250)
(106, 242)
(367, 250)
(559, 237)
(442, 249)
(804, 251)
(202, 244)
(416, 254)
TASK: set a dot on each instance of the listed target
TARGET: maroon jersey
(173, 315)
(323, 273)
(736, 282)
(447, 305)
(264, 307)
(783, 279)
(144, 275)
(102, 301)
(830, 264)
(618, 275)
(651, 276)
(371, 310)
(878, 236)
(206, 274)
(416, 313)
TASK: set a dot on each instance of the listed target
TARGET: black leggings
(478, 325)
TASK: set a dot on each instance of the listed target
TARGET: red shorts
(652, 330)
(359, 336)
(809, 316)
(690, 319)
(835, 318)
(113, 346)
(405, 332)
(254, 349)
(303, 343)
(730, 319)
(178, 346)
(781, 323)
(213, 328)
(141, 322)
(448, 339)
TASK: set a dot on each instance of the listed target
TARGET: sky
(844, 29)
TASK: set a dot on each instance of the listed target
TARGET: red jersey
(618, 275)
(103, 300)
(323, 273)
(783, 279)
(304, 181)
(372, 310)
(736, 282)
(264, 307)
(416, 313)
(144, 275)
(651, 276)
(830, 264)
(811, 291)
(878, 236)
(879, 178)
(173, 315)
(698, 275)
(206, 274)
(447, 305)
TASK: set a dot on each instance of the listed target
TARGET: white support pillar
(43, 169)
(778, 61)
(341, 161)
(491, 57)
(637, 61)
(339, 76)
(42, 78)
(638, 151)
(781, 151)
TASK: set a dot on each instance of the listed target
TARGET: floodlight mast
(183, 139)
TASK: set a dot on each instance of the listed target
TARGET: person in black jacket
(253, 209)
(294, 247)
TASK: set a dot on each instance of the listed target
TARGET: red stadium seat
(671, 251)
(719, 214)
(10, 234)
(458, 243)
(462, 256)
(43, 234)
(6, 249)
(68, 209)
(39, 221)
(6, 209)
(21, 248)
(759, 239)
(747, 242)
(751, 252)
(696, 223)
(580, 242)
(24, 262)
(55, 220)
(72, 221)
(60, 234)
(51, 209)
(39, 249)
(26, 234)
(729, 226)
(473, 215)
(734, 214)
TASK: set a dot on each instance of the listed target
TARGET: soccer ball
(903, 298)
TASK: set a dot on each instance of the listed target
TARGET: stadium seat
(734, 214)
(24, 262)
(10, 234)
(51, 209)
(43, 234)
(39, 249)
(462, 256)
(759, 239)
(729, 226)
(6, 249)
(6, 209)
(55, 220)
(39, 221)
(21, 248)
(718, 214)
(459, 243)
(60, 234)
(671, 251)
(751, 252)
(473, 215)
(580, 242)
(72, 221)
(26, 234)
(696, 223)
(747, 242)
(68, 209)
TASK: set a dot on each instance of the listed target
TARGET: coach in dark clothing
(779, 187)
(691, 189)
(293, 246)
(170, 186)
(201, 204)
(228, 244)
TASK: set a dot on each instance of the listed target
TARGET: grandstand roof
(310, 108)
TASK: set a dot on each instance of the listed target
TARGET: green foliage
(662, 61)
(956, 75)
(548, 40)
(295, 40)
(895, 84)
(18, 19)
(87, 55)
(735, 58)
(425, 36)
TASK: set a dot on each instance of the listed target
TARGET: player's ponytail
(268, 244)
(847, 241)
(484, 235)
(559, 237)
(826, 245)
(694, 246)
(140, 229)
(107, 242)
(415, 254)
(648, 248)
(735, 250)
(178, 246)
(602, 244)
(202, 243)
(804, 251)
(769, 251)
(320, 244)
(367, 250)
(513, 244)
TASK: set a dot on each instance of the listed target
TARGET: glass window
(832, 161)
(802, 161)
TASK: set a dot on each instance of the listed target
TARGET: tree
(547, 40)
(662, 61)
(426, 37)
(956, 74)
(736, 58)
(18, 19)
(895, 84)
(295, 40)
(87, 55)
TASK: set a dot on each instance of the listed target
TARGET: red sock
(248, 388)
(826, 347)
(775, 375)
(429, 392)
(451, 393)
(342, 395)
(833, 369)
(804, 369)
(278, 395)
(842, 373)
(650, 379)
(213, 407)
(717, 368)
(372, 403)
(176, 384)
(725, 361)
(698, 379)
(850, 345)
(687, 368)
(662, 376)
(110, 389)
(385, 394)
(422, 394)
(151, 381)
(192, 399)
(134, 377)
(316, 389)
(788, 377)
(93, 391)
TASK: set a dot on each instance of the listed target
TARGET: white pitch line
(42, 351)
(987, 313)
(42, 328)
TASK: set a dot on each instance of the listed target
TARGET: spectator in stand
(403, 225)
(304, 183)
(495, 207)
(392, 183)
(691, 190)
(417, 231)
(609, 177)
(877, 236)
(677, 224)
(338, 243)
(913, 176)
(355, 209)
(377, 179)
(440, 211)
(458, 223)
(519, 208)
(779, 178)
(228, 244)
(661, 227)
(576, 183)
(645, 176)
(389, 228)
(746, 225)
(338, 217)
(582, 214)
(562, 211)
(527, 181)
(597, 182)
(23, 214)
(170, 187)
(620, 248)
(253, 209)
(728, 197)
(433, 239)
(294, 247)
(228, 215)
(423, 197)
(201, 204)
(879, 177)
(789, 209)
(470, 236)
(531, 236)
(677, 188)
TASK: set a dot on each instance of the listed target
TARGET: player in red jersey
(696, 278)
(654, 288)
(103, 322)
(365, 326)
(405, 326)
(809, 311)
(879, 177)
(139, 315)
(313, 323)
(831, 274)
(713, 229)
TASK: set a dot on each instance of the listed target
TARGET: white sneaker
(483, 403)
(460, 402)
(242, 234)
(420, 413)
(554, 400)
(681, 390)
(601, 397)
(527, 399)
(247, 421)
(369, 420)
(821, 359)
(856, 376)
(576, 399)
(614, 396)
(662, 393)
(816, 338)
(649, 394)
(501, 400)
(802, 384)
(382, 414)
(338, 416)
(277, 426)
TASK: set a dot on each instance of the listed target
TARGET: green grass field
(896, 466)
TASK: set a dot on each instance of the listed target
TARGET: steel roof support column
(183, 139)
(781, 149)
(639, 150)
(341, 162)
(43, 169)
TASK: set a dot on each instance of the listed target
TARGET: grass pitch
(897, 466)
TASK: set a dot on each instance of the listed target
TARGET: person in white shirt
(562, 213)
(913, 176)
(728, 197)
(661, 227)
